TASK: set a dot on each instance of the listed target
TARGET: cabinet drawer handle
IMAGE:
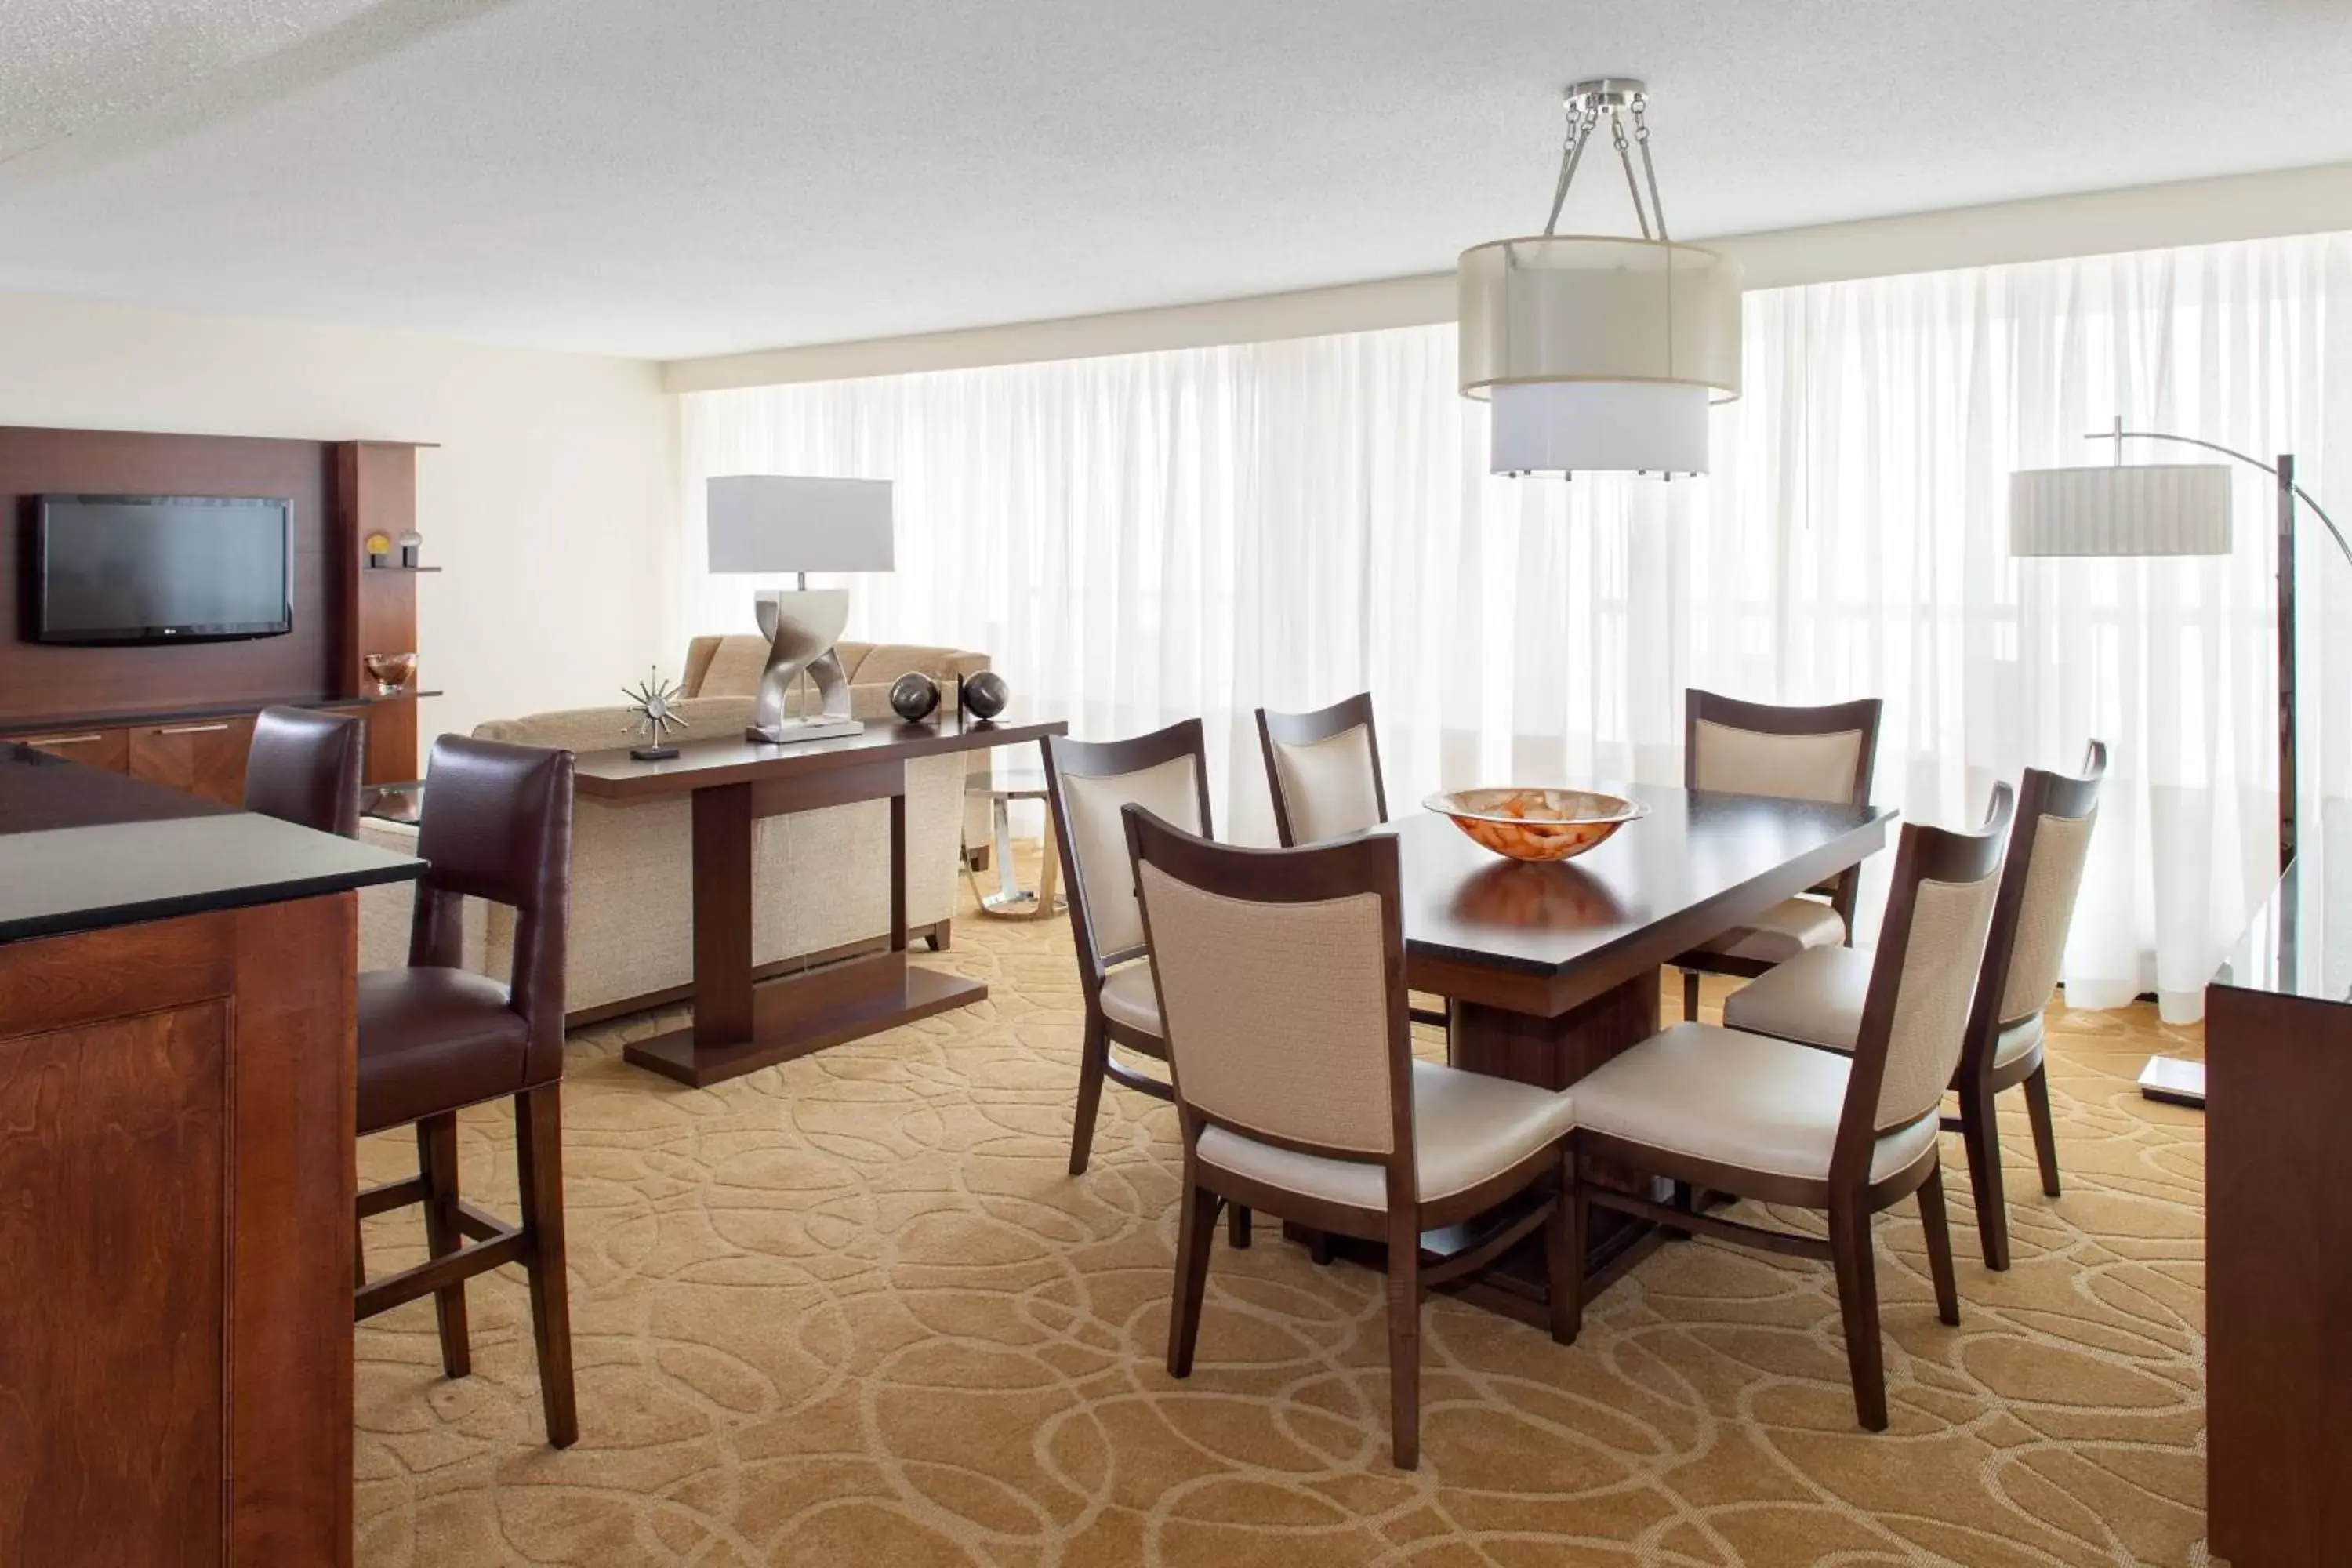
(191, 729)
(62, 740)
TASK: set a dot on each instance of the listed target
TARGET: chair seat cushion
(432, 1040)
(1467, 1127)
(1129, 999)
(1817, 998)
(1781, 932)
(1744, 1101)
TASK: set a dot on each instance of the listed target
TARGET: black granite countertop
(82, 849)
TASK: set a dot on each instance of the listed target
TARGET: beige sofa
(820, 879)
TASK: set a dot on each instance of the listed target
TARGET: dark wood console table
(2278, 1230)
(742, 1024)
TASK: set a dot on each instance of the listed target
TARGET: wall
(2316, 200)
(547, 502)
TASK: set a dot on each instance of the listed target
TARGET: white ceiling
(679, 177)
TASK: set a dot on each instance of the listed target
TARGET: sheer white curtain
(1141, 537)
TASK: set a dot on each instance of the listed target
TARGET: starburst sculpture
(655, 702)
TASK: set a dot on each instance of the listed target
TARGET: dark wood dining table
(1550, 969)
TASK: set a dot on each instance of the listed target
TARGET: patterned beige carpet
(854, 1311)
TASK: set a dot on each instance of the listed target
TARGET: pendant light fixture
(1600, 351)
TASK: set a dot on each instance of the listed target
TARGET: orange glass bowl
(1534, 824)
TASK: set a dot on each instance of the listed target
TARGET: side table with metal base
(1012, 901)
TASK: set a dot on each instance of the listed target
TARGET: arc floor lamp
(2171, 509)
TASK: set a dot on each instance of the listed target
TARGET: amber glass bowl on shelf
(1532, 823)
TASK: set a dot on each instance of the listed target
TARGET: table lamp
(776, 523)
(2173, 509)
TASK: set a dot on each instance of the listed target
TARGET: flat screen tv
(157, 569)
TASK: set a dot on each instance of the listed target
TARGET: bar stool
(435, 1038)
(303, 766)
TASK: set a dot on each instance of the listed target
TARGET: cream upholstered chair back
(1924, 981)
(1798, 754)
(1323, 770)
(2048, 849)
(1086, 785)
(1281, 985)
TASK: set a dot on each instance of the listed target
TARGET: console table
(741, 1024)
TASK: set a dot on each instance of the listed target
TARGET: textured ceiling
(678, 177)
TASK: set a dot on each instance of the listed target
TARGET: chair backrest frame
(1066, 758)
(1863, 714)
(1278, 729)
(1310, 874)
(2041, 794)
(522, 859)
(306, 764)
(1923, 855)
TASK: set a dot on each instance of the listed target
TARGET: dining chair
(1281, 979)
(303, 766)
(1797, 754)
(1087, 783)
(1817, 998)
(1323, 770)
(1773, 1122)
(435, 1037)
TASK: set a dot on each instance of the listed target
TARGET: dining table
(1549, 969)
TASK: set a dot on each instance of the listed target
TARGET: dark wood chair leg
(2045, 1132)
(1237, 1226)
(1981, 1133)
(941, 937)
(1683, 1199)
(1195, 1228)
(1690, 995)
(436, 1160)
(1940, 1246)
(1405, 1339)
(1564, 1256)
(538, 1152)
(1318, 1247)
(1857, 1286)
(1094, 1053)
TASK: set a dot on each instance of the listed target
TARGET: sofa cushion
(605, 729)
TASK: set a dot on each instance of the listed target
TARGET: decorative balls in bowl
(1536, 824)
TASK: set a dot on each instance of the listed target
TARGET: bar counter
(176, 1175)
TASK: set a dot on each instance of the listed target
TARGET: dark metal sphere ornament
(985, 694)
(914, 696)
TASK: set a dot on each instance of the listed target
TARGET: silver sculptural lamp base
(801, 627)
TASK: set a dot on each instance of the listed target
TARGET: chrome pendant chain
(1617, 98)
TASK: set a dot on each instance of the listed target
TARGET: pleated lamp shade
(2156, 509)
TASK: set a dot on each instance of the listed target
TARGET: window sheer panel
(1141, 537)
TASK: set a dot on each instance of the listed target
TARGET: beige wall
(547, 502)
(2191, 212)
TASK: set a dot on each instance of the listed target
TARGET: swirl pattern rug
(855, 1310)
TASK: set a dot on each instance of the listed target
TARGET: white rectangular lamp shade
(2156, 509)
(777, 522)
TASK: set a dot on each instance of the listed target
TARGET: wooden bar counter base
(176, 1110)
(742, 1024)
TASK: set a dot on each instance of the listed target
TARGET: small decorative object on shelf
(1537, 824)
(914, 696)
(984, 695)
(410, 543)
(391, 672)
(378, 548)
(655, 702)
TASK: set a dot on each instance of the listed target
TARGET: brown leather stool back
(497, 825)
(304, 768)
